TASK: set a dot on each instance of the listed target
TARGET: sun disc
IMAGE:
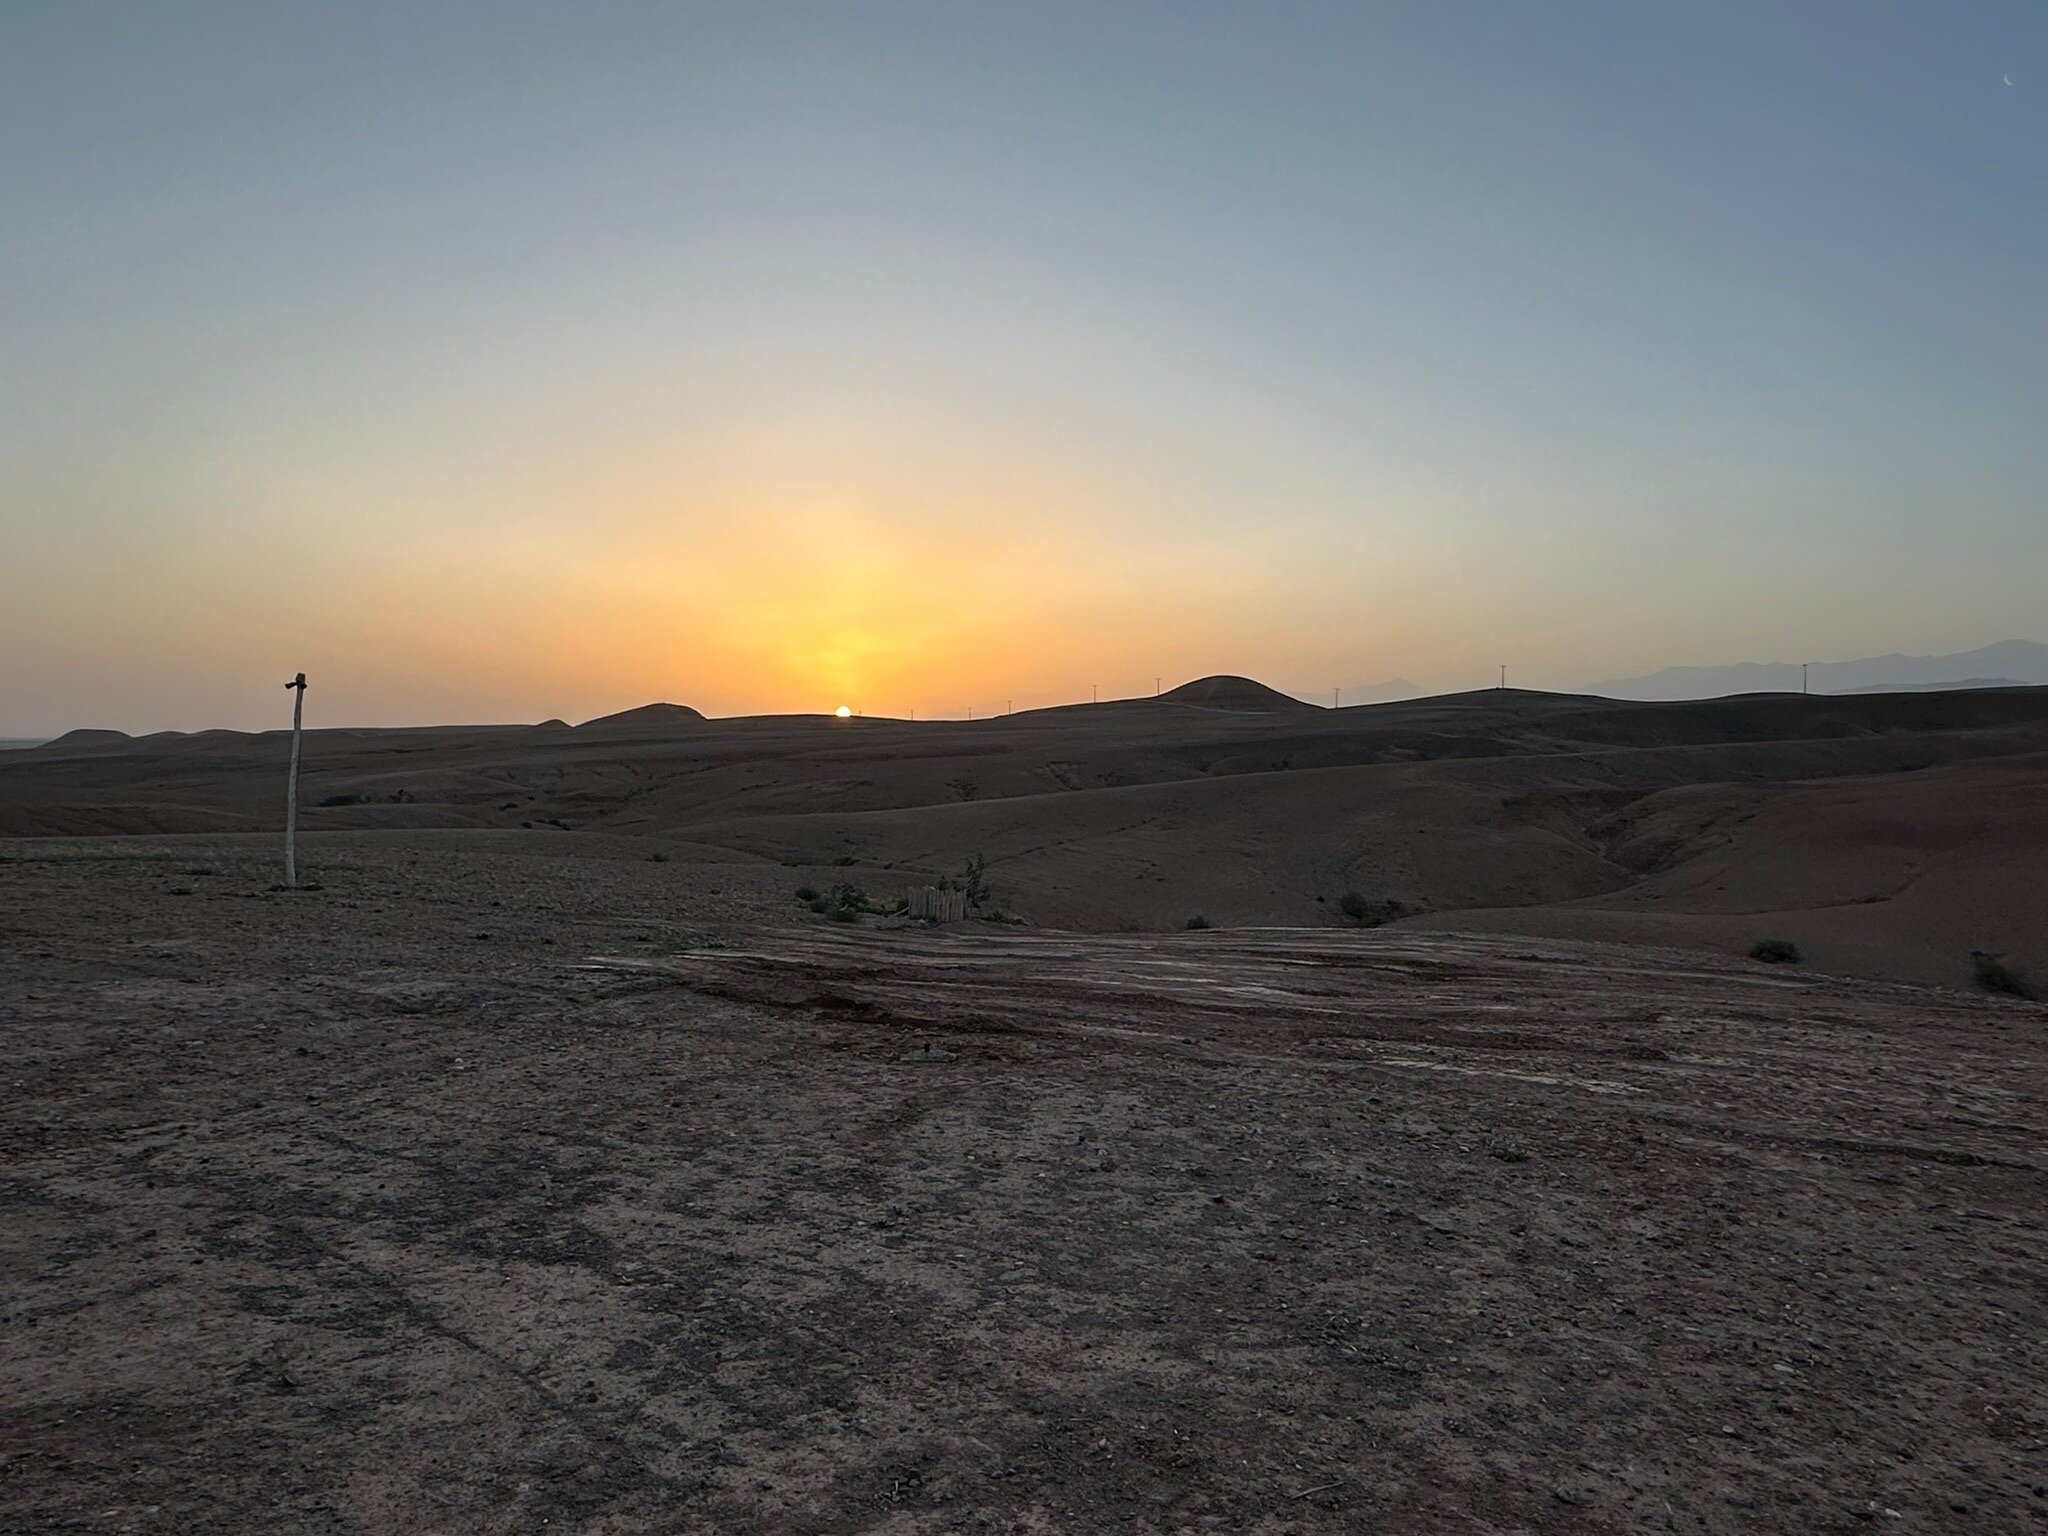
(843, 712)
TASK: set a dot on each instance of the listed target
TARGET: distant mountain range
(2008, 664)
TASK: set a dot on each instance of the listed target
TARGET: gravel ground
(519, 1183)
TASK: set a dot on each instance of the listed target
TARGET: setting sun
(843, 712)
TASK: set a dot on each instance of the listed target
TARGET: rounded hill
(1239, 694)
(646, 717)
(88, 736)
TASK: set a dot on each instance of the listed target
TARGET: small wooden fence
(935, 905)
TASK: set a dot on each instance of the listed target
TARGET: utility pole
(1802, 676)
(1093, 698)
(1336, 698)
(1156, 682)
(1009, 706)
(1503, 676)
(297, 689)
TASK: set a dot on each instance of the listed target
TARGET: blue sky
(501, 361)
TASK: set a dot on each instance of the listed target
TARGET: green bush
(974, 879)
(1776, 951)
(852, 901)
(845, 915)
(805, 893)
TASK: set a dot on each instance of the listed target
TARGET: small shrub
(845, 915)
(343, 800)
(1198, 921)
(845, 860)
(974, 879)
(1509, 1154)
(805, 893)
(1994, 975)
(963, 788)
(1367, 913)
(1776, 951)
(657, 857)
(852, 901)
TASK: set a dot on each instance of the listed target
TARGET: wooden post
(934, 905)
(297, 689)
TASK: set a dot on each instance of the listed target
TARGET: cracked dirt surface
(597, 1196)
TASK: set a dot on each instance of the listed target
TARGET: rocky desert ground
(553, 1167)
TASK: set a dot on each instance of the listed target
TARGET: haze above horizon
(507, 361)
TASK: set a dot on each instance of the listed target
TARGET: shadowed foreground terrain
(495, 1187)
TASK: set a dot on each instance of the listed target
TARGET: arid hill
(647, 716)
(1239, 694)
(1883, 834)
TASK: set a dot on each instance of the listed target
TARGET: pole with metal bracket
(297, 689)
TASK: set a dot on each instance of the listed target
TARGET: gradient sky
(500, 361)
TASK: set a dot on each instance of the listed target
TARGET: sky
(504, 361)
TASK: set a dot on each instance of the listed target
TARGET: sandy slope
(1897, 875)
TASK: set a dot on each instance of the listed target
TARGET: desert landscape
(843, 769)
(1325, 1120)
(1886, 835)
